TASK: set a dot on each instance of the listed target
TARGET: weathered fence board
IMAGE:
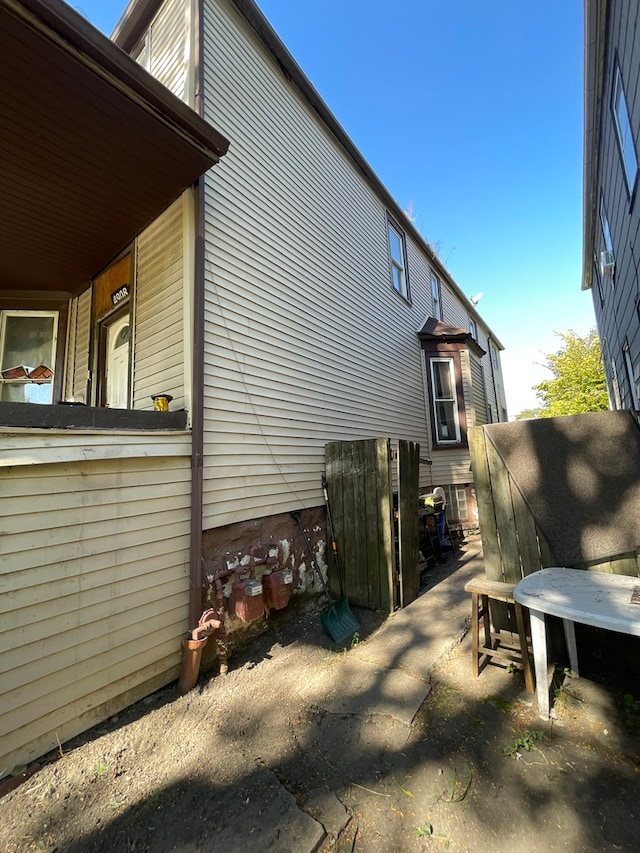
(484, 500)
(505, 521)
(526, 530)
(359, 484)
(359, 487)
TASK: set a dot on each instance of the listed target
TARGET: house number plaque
(120, 294)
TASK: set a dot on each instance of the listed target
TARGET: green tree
(525, 414)
(578, 383)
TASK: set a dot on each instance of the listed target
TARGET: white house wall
(168, 52)
(478, 391)
(95, 583)
(77, 353)
(306, 341)
(452, 312)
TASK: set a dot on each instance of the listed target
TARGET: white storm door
(118, 337)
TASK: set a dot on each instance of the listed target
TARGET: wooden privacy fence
(377, 547)
(561, 493)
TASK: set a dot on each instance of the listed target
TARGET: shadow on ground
(252, 761)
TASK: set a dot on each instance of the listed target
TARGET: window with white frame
(436, 293)
(456, 497)
(624, 133)
(473, 329)
(616, 402)
(445, 404)
(398, 259)
(27, 355)
(606, 231)
(607, 258)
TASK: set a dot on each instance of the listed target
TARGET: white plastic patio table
(591, 598)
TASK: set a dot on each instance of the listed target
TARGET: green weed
(458, 787)
(526, 742)
(499, 703)
(427, 831)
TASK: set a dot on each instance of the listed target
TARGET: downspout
(197, 398)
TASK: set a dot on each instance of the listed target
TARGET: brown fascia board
(109, 60)
(595, 27)
(136, 18)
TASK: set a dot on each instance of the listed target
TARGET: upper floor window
(494, 357)
(607, 257)
(436, 293)
(606, 231)
(473, 329)
(624, 133)
(445, 404)
(398, 259)
(27, 355)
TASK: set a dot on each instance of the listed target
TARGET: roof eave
(595, 20)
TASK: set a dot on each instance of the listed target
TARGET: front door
(117, 364)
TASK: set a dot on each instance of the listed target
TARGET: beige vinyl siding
(478, 391)
(168, 54)
(70, 349)
(493, 384)
(95, 584)
(306, 341)
(158, 363)
(451, 467)
(453, 312)
(77, 354)
(467, 388)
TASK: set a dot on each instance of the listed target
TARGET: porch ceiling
(92, 148)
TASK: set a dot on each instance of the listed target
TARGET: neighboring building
(611, 210)
(283, 301)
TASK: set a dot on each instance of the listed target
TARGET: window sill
(455, 445)
(63, 416)
(405, 299)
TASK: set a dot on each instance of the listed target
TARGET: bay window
(444, 396)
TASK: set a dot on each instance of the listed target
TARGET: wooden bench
(507, 646)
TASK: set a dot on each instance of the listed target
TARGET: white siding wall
(168, 54)
(77, 363)
(95, 584)
(451, 467)
(493, 382)
(479, 392)
(453, 312)
(158, 363)
(306, 341)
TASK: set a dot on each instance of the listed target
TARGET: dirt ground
(243, 762)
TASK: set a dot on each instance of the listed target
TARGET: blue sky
(471, 115)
